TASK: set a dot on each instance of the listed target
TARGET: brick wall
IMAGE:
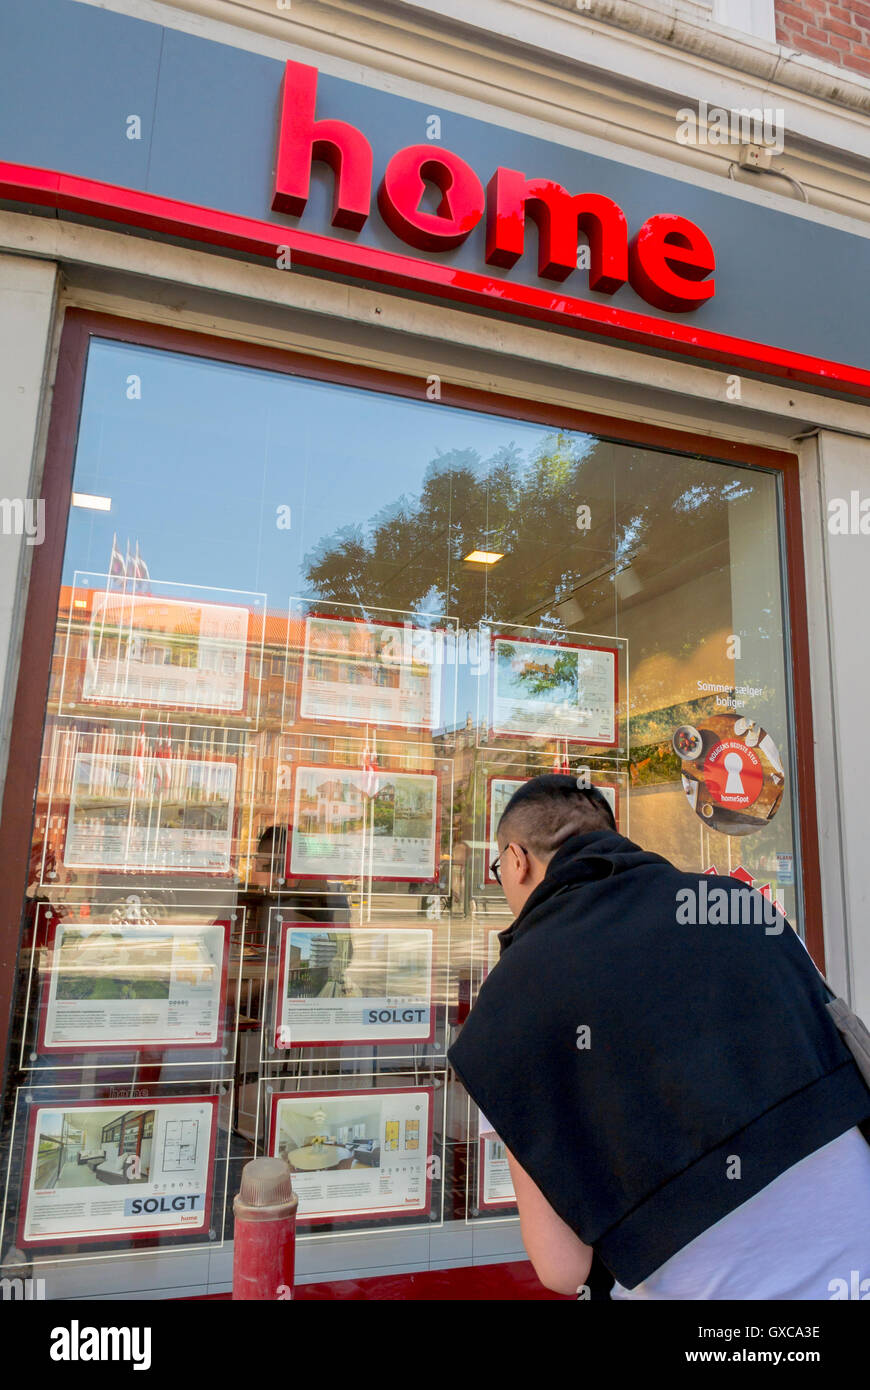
(838, 33)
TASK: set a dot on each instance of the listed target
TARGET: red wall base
(515, 1280)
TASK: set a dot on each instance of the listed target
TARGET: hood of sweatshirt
(582, 860)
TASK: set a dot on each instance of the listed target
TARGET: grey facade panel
(70, 73)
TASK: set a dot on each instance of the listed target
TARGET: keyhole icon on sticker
(733, 774)
(734, 767)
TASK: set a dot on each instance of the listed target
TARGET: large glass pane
(307, 646)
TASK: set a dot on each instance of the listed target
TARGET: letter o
(462, 202)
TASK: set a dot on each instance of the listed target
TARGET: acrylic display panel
(155, 644)
(160, 802)
(377, 991)
(156, 985)
(552, 686)
(370, 667)
(348, 818)
(365, 986)
(108, 1169)
(493, 1190)
(346, 821)
(362, 1150)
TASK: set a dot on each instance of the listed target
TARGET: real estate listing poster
(348, 823)
(369, 673)
(102, 1170)
(554, 690)
(501, 789)
(612, 795)
(150, 813)
(112, 985)
(146, 650)
(495, 1185)
(354, 985)
(355, 1154)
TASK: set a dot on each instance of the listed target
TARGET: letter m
(560, 218)
(750, 125)
(11, 1288)
(114, 1343)
(302, 139)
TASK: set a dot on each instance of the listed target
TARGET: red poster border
(376, 878)
(163, 871)
(369, 1216)
(79, 1050)
(563, 738)
(494, 777)
(140, 1233)
(483, 1205)
(81, 711)
(347, 719)
(286, 927)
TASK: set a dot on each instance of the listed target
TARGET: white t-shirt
(807, 1229)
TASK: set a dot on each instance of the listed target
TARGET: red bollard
(265, 1231)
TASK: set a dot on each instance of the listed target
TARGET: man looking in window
(674, 1098)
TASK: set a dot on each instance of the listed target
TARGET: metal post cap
(266, 1182)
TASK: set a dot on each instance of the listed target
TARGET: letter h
(302, 139)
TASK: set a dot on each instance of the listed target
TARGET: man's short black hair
(548, 810)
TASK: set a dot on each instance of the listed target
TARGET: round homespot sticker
(733, 773)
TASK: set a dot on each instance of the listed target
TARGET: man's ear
(525, 869)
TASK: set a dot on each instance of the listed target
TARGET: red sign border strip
(23, 183)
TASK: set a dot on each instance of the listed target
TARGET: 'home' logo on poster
(75, 1343)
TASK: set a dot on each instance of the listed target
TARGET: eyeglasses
(495, 870)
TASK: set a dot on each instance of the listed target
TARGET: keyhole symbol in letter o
(462, 198)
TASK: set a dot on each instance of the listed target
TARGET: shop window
(269, 916)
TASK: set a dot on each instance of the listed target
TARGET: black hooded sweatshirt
(705, 1044)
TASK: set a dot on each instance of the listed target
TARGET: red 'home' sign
(669, 261)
